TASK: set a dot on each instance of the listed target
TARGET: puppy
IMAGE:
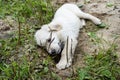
(60, 35)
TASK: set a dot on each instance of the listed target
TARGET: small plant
(102, 25)
(109, 4)
(87, 1)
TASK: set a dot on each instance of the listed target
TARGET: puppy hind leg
(84, 15)
(94, 19)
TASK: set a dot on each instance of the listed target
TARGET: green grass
(101, 66)
(20, 59)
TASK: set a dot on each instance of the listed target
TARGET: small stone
(40, 66)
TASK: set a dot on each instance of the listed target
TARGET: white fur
(71, 19)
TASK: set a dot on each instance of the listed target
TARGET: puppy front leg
(63, 60)
(67, 53)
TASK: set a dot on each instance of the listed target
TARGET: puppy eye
(49, 40)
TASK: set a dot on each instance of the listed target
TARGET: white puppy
(63, 29)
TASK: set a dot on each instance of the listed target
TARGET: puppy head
(54, 45)
(47, 37)
(42, 35)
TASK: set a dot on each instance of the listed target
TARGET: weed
(102, 25)
(109, 4)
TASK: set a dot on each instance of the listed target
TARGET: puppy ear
(56, 27)
(45, 27)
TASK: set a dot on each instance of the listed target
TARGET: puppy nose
(53, 51)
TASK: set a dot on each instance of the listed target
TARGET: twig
(51, 40)
(71, 49)
(67, 49)
(19, 28)
(72, 56)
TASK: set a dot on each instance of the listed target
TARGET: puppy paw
(69, 64)
(61, 65)
(97, 21)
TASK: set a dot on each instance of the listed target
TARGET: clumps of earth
(7, 27)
